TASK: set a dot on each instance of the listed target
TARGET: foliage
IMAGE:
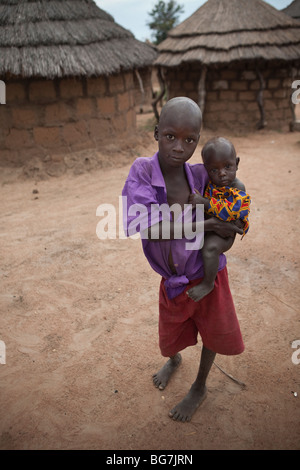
(164, 16)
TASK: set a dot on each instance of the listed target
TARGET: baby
(225, 198)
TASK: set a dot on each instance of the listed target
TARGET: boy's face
(177, 134)
(221, 167)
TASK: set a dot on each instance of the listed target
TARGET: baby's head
(220, 160)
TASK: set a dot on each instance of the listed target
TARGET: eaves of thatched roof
(226, 31)
(293, 9)
(55, 38)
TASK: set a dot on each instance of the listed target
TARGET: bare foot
(161, 378)
(187, 407)
(199, 291)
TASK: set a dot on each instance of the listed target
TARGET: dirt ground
(79, 316)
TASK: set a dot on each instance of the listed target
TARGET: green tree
(164, 16)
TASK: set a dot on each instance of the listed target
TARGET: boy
(167, 178)
(224, 197)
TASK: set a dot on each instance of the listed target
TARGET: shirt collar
(190, 177)
(157, 178)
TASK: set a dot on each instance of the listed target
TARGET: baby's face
(221, 168)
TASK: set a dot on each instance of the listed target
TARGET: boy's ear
(156, 133)
(237, 162)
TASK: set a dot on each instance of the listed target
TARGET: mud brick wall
(45, 118)
(231, 95)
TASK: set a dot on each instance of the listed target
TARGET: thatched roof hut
(293, 9)
(230, 51)
(70, 72)
(51, 39)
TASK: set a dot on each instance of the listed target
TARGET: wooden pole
(260, 100)
(201, 89)
(160, 95)
(139, 78)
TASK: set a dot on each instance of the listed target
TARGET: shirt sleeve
(139, 200)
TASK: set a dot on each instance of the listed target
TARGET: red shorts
(214, 317)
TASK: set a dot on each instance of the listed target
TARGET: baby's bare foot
(199, 291)
(187, 407)
(161, 378)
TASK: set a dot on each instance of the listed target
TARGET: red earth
(79, 315)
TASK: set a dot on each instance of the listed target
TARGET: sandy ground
(79, 317)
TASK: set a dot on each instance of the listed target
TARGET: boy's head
(178, 131)
(220, 160)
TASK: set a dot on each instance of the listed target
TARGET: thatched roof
(55, 38)
(225, 31)
(293, 9)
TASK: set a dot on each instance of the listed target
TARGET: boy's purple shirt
(145, 185)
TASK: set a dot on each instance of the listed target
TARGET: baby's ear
(237, 162)
(156, 133)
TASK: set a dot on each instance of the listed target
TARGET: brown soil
(79, 316)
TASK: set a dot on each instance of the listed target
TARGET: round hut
(69, 73)
(237, 59)
(293, 9)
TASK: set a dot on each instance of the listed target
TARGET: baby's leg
(213, 246)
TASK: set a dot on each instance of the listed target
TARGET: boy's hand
(239, 223)
(225, 229)
(192, 200)
(196, 198)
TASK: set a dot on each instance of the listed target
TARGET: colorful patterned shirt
(228, 204)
